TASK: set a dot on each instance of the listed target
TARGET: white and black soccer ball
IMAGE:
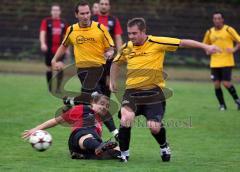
(40, 140)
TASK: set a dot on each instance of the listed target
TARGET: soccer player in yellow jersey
(92, 45)
(221, 64)
(144, 56)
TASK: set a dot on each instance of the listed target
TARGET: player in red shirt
(114, 28)
(86, 123)
(52, 32)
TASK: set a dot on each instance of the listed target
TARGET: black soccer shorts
(73, 142)
(150, 103)
(221, 74)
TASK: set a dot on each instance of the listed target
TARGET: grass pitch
(201, 137)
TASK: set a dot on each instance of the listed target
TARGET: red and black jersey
(82, 116)
(110, 22)
(55, 30)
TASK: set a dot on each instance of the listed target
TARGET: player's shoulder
(227, 27)
(160, 39)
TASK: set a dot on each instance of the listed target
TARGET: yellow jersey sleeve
(108, 41)
(206, 38)
(166, 43)
(66, 41)
(122, 53)
(235, 36)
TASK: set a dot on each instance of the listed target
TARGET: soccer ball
(40, 140)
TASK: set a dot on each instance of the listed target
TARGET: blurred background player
(95, 9)
(221, 64)
(113, 25)
(85, 141)
(52, 31)
(145, 82)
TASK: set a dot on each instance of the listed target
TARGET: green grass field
(201, 137)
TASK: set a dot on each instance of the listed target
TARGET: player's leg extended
(227, 76)
(127, 119)
(231, 89)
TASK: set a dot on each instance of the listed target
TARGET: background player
(52, 31)
(114, 27)
(221, 64)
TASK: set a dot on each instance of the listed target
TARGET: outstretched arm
(48, 124)
(209, 49)
(114, 73)
(60, 52)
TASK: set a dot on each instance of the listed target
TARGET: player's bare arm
(118, 41)
(42, 38)
(60, 52)
(114, 73)
(209, 49)
(47, 124)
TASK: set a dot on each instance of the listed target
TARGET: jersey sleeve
(166, 43)
(107, 40)
(122, 53)
(72, 115)
(206, 38)
(118, 28)
(235, 36)
(66, 41)
(43, 26)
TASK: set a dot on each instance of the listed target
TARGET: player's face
(218, 20)
(104, 6)
(55, 11)
(95, 8)
(135, 35)
(101, 107)
(83, 15)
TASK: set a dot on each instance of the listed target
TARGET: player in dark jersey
(85, 141)
(52, 31)
(114, 28)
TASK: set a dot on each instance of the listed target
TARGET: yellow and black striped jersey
(145, 62)
(89, 44)
(224, 39)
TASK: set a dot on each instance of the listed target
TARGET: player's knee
(127, 117)
(83, 138)
(217, 84)
(154, 126)
(227, 84)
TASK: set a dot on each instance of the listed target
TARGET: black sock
(49, 77)
(219, 94)
(91, 143)
(59, 79)
(161, 137)
(233, 92)
(124, 138)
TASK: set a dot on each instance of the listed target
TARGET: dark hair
(218, 12)
(140, 22)
(55, 4)
(81, 3)
(97, 96)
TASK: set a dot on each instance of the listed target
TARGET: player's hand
(230, 50)
(109, 54)
(212, 49)
(44, 48)
(57, 65)
(113, 86)
(26, 134)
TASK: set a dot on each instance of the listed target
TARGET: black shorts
(150, 103)
(73, 142)
(221, 74)
(92, 79)
(48, 58)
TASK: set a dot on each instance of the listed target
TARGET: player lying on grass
(86, 122)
